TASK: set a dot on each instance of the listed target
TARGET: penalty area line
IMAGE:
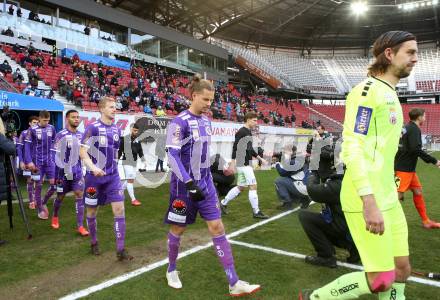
(342, 264)
(124, 277)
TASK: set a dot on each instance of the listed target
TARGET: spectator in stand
(100, 65)
(147, 110)
(87, 30)
(17, 76)
(51, 94)
(125, 104)
(160, 112)
(65, 60)
(69, 91)
(16, 48)
(75, 58)
(293, 118)
(38, 60)
(153, 85)
(11, 9)
(94, 95)
(229, 111)
(52, 62)
(27, 90)
(31, 49)
(118, 103)
(8, 32)
(114, 81)
(286, 103)
(62, 85)
(78, 97)
(5, 68)
(287, 120)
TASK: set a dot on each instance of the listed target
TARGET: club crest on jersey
(363, 118)
(49, 132)
(116, 137)
(179, 207)
(91, 192)
(393, 116)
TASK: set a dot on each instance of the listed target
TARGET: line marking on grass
(160, 263)
(342, 264)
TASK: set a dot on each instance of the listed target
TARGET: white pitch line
(158, 264)
(342, 264)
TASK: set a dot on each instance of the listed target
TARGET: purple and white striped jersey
(38, 145)
(67, 160)
(103, 142)
(190, 136)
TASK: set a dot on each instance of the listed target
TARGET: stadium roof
(288, 23)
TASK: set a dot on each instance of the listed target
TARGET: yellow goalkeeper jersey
(372, 128)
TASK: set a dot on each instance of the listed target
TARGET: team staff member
(410, 149)
(372, 127)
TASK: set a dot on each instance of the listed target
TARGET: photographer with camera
(321, 139)
(328, 228)
(7, 148)
(291, 185)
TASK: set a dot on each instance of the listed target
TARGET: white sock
(232, 194)
(130, 191)
(253, 199)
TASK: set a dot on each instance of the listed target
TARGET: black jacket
(328, 194)
(410, 149)
(246, 134)
(7, 148)
(136, 150)
(326, 160)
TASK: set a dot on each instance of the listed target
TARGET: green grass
(57, 262)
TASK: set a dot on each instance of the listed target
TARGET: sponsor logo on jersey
(393, 116)
(363, 118)
(179, 207)
(91, 192)
(348, 288)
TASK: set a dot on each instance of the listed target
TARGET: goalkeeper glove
(195, 193)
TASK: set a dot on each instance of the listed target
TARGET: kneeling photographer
(7, 148)
(291, 185)
(328, 228)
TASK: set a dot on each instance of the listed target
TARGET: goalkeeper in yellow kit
(372, 127)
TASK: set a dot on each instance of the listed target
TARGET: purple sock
(91, 224)
(38, 186)
(224, 253)
(30, 190)
(119, 227)
(173, 251)
(56, 207)
(79, 207)
(52, 188)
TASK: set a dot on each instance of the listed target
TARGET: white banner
(121, 120)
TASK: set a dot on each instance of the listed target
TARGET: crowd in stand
(152, 88)
(32, 15)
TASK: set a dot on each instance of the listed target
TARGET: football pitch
(57, 263)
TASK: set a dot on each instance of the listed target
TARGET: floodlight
(359, 7)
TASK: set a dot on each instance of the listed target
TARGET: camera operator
(326, 158)
(291, 185)
(7, 148)
(328, 228)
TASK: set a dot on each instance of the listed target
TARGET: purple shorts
(46, 170)
(71, 185)
(102, 190)
(183, 211)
